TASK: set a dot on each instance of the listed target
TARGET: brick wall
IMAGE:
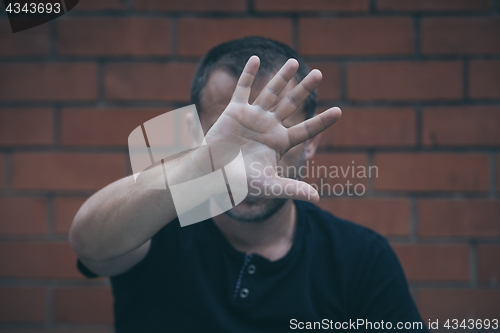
(418, 81)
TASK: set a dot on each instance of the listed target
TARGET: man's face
(215, 96)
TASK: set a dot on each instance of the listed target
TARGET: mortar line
(473, 263)
(413, 232)
(492, 174)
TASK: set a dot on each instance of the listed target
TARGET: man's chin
(255, 209)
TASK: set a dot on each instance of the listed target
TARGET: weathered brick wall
(418, 81)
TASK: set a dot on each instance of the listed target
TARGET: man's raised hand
(258, 131)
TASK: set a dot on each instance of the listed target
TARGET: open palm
(257, 129)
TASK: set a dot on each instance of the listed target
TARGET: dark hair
(233, 55)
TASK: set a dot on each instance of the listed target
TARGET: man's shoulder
(326, 220)
(340, 233)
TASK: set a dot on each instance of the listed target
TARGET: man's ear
(311, 146)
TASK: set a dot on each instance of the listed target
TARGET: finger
(298, 94)
(312, 127)
(244, 85)
(287, 188)
(270, 93)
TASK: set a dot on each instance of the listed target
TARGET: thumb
(294, 189)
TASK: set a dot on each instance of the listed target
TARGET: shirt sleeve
(382, 292)
(155, 240)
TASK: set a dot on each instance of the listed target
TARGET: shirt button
(251, 269)
(244, 293)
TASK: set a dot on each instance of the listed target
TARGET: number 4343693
(471, 324)
(34, 8)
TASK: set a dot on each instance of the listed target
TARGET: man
(270, 264)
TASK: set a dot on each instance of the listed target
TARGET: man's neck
(271, 238)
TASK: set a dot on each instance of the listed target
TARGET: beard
(254, 210)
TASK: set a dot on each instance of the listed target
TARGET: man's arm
(112, 230)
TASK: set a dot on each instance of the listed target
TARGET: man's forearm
(122, 216)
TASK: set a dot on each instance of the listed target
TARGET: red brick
(37, 260)
(389, 217)
(324, 172)
(469, 35)
(329, 88)
(405, 81)
(488, 260)
(197, 36)
(114, 36)
(434, 5)
(149, 81)
(66, 209)
(23, 215)
(484, 81)
(458, 303)
(26, 127)
(192, 5)
(462, 218)
(419, 172)
(434, 262)
(83, 305)
(66, 171)
(372, 127)
(22, 304)
(48, 81)
(355, 36)
(101, 5)
(103, 127)
(34, 41)
(311, 5)
(456, 126)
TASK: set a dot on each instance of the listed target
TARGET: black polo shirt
(336, 273)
